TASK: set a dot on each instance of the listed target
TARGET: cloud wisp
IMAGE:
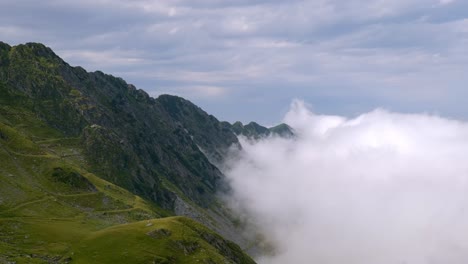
(383, 188)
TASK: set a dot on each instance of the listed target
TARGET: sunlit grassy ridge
(166, 240)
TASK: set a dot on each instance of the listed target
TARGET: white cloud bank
(382, 188)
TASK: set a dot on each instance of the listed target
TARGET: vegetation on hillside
(90, 168)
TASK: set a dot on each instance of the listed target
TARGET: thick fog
(381, 188)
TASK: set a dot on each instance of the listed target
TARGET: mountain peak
(4, 46)
(114, 155)
(255, 131)
(39, 49)
(283, 130)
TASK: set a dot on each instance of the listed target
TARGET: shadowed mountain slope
(83, 155)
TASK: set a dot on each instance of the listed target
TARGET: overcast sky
(247, 59)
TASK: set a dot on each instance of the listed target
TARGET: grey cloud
(389, 52)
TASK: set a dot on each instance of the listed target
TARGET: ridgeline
(93, 170)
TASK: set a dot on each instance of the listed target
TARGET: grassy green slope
(167, 240)
(47, 197)
(54, 210)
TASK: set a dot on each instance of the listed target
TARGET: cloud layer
(382, 187)
(344, 56)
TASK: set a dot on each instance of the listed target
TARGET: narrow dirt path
(21, 205)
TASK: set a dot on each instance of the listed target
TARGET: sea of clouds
(380, 188)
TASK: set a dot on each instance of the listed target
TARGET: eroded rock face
(255, 131)
(128, 137)
(162, 149)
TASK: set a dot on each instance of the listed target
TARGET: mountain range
(94, 170)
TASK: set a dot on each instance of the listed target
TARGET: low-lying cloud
(383, 188)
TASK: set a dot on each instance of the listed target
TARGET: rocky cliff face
(87, 152)
(255, 131)
(128, 138)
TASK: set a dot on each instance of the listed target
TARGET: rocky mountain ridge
(87, 149)
(129, 137)
(255, 131)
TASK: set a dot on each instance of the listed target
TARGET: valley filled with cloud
(381, 187)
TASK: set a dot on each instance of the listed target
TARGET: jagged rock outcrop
(255, 131)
